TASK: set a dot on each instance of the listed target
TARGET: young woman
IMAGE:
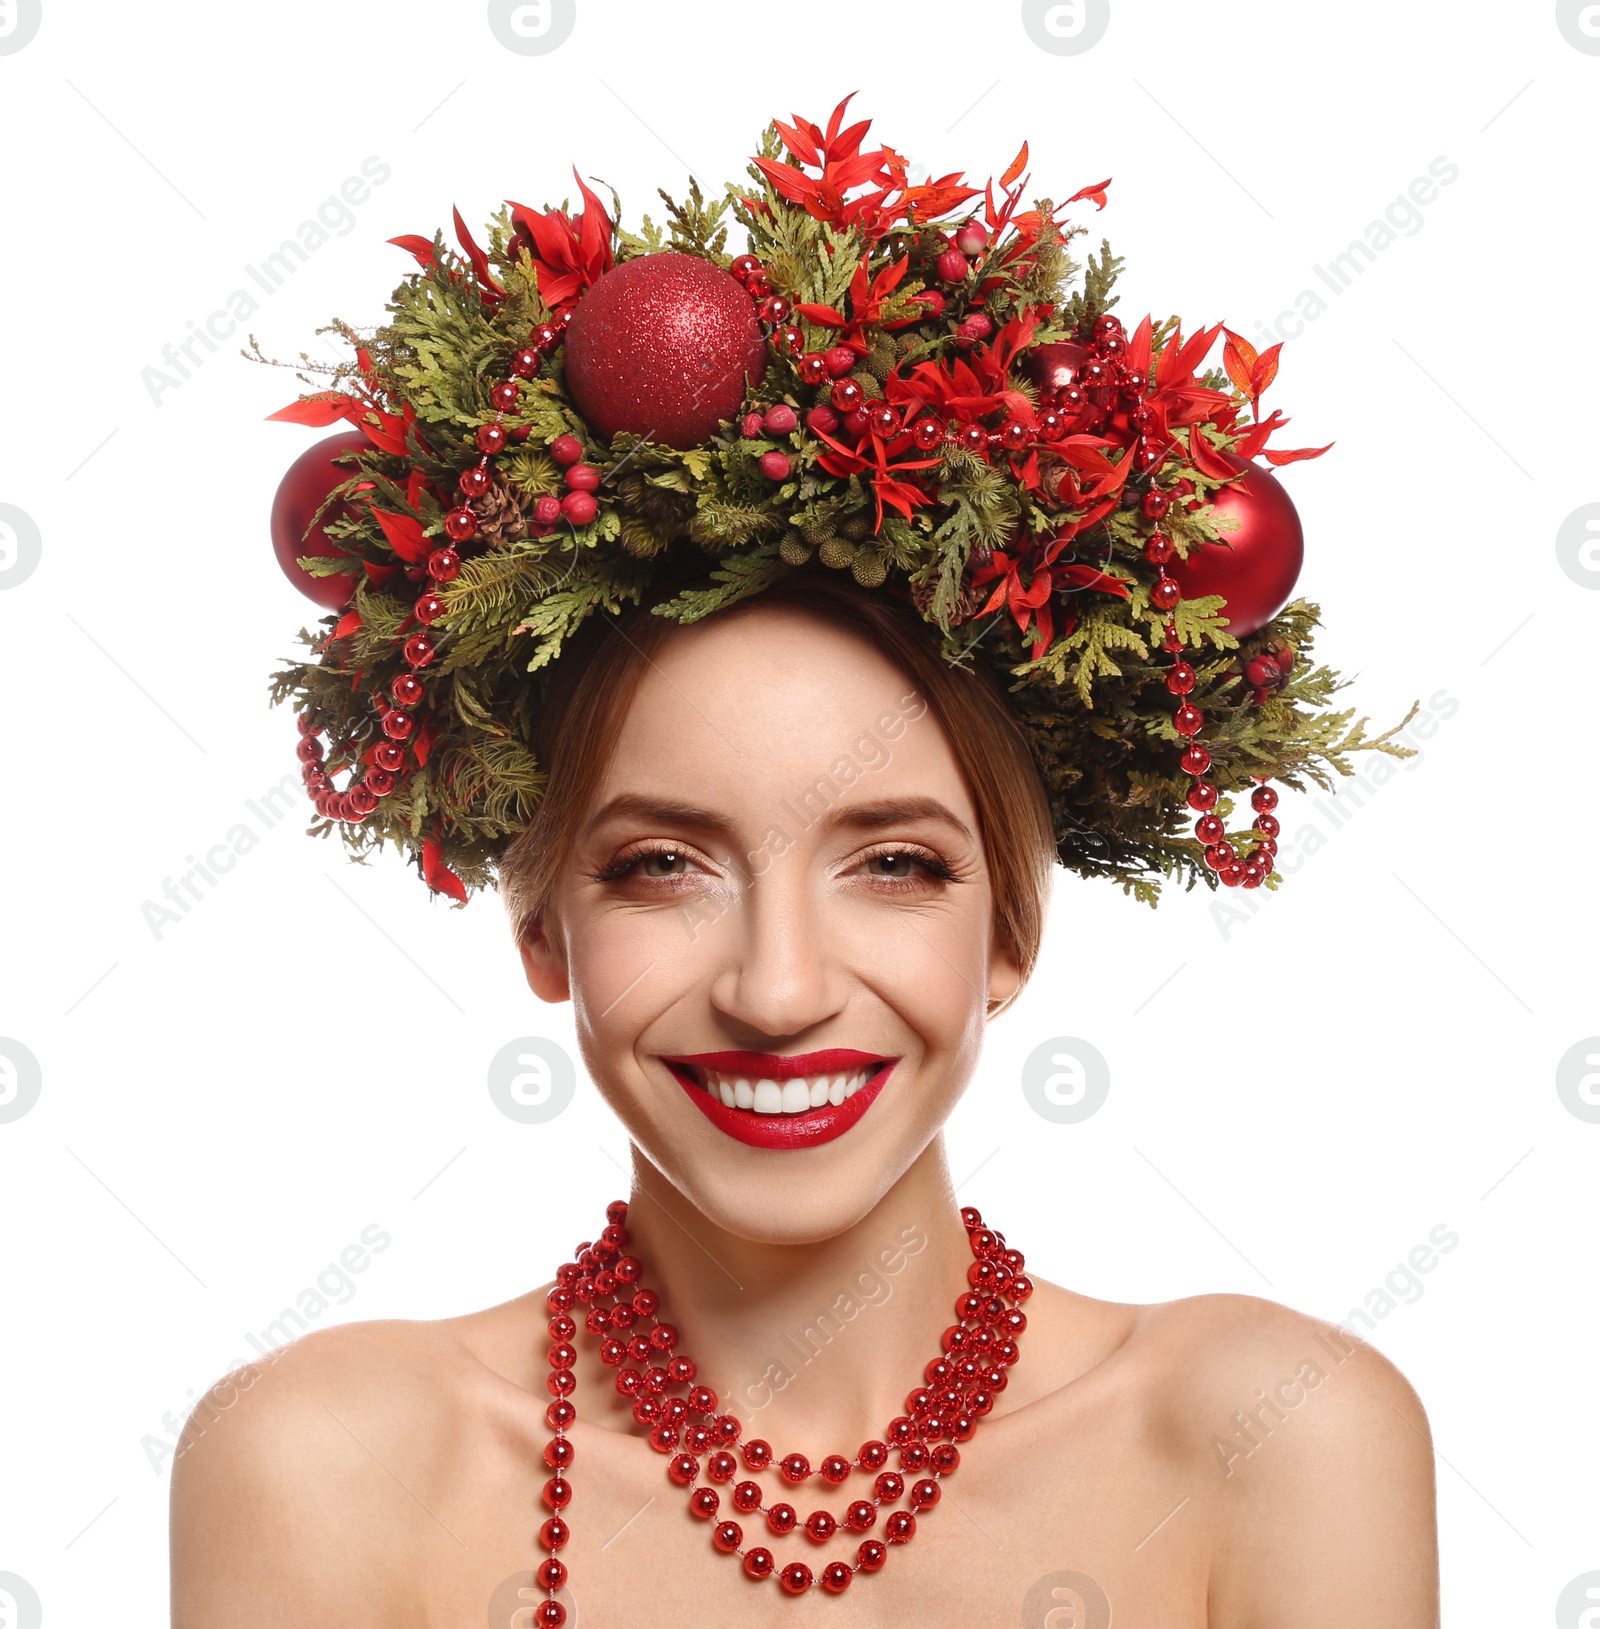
(788, 854)
(392, 1472)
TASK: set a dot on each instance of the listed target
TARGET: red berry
(840, 360)
(566, 449)
(780, 419)
(579, 507)
(855, 422)
(972, 238)
(547, 511)
(952, 266)
(775, 465)
(933, 300)
(975, 326)
(822, 419)
(583, 478)
(750, 426)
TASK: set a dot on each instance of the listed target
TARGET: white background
(1297, 1098)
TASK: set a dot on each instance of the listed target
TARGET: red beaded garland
(960, 1389)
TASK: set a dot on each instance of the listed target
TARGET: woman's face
(781, 862)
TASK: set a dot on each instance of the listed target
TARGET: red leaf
(438, 876)
(348, 624)
(1015, 167)
(422, 248)
(1239, 358)
(823, 315)
(1207, 459)
(1138, 355)
(798, 142)
(1095, 194)
(787, 181)
(1294, 455)
(480, 261)
(404, 533)
(318, 411)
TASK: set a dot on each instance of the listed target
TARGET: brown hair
(590, 688)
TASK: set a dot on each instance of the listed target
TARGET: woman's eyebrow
(871, 816)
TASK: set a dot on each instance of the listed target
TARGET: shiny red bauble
(1054, 367)
(306, 483)
(662, 346)
(1256, 566)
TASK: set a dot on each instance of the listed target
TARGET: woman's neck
(813, 1347)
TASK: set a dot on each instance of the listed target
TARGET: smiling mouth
(775, 1095)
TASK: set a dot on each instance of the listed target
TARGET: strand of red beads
(396, 712)
(1103, 384)
(960, 1386)
(1233, 870)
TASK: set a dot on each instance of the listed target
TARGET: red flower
(567, 255)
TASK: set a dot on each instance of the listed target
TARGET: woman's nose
(780, 972)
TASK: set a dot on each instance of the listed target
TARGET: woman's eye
(909, 868)
(663, 863)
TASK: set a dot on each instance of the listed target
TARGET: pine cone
(837, 552)
(968, 599)
(500, 517)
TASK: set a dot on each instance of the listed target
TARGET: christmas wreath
(895, 379)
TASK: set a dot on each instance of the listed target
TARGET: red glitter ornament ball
(307, 481)
(661, 346)
(1256, 566)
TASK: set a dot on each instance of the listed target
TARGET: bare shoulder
(298, 1478)
(1312, 1455)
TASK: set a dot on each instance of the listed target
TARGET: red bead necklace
(960, 1388)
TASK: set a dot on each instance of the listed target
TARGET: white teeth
(793, 1096)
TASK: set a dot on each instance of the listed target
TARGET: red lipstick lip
(777, 1066)
(785, 1132)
